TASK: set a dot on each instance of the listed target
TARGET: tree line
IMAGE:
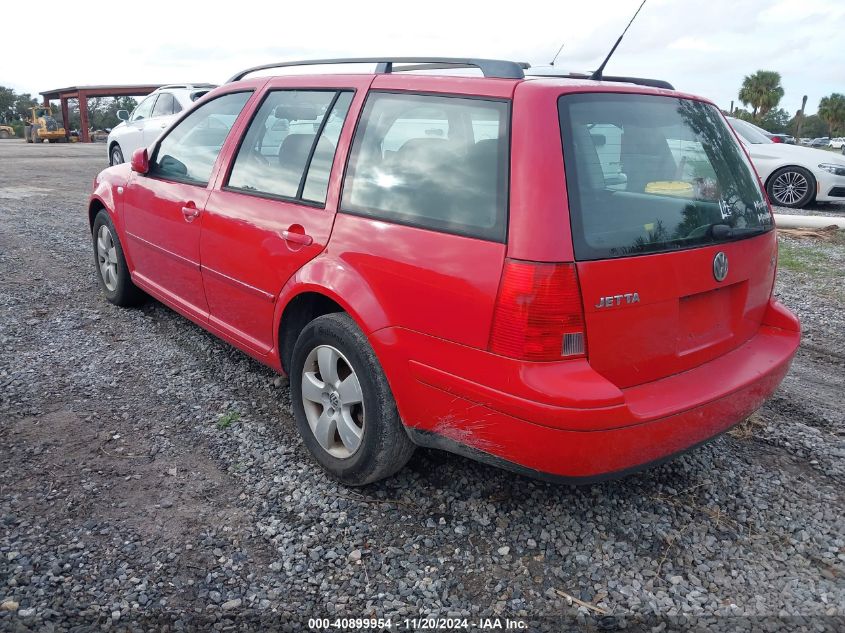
(102, 111)
(762, 92)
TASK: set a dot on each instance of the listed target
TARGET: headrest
(296, 112)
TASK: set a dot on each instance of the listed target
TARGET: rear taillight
(777, 139)
(539, 316)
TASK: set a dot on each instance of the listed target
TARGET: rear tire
(347, 401)
(4, 134)
(112, 271)
(792, 187)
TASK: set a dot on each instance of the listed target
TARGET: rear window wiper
(722, 231)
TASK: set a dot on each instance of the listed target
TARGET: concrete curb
(785, 221)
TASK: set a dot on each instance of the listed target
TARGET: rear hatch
(672, 234)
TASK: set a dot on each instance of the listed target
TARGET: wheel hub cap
(107, 258)
(790, 187)
(333, 401)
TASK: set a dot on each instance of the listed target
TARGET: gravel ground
(152, 479)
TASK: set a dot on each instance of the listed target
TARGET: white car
(150, 118)
(794, 176)
(837, 143)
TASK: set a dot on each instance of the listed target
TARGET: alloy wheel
(107, 258)
(333, 401)
(790, 187)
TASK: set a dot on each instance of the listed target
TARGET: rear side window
(293, 131)
(647, 174)
(430, 161)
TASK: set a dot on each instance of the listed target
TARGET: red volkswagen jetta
(566, 277)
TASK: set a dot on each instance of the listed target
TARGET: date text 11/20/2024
(418, 624)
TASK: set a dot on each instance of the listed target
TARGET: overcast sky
(701, 46)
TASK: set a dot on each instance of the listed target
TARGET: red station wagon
(565, 277)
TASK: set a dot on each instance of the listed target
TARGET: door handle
(190, 212)
(163, 125)
(297, 238)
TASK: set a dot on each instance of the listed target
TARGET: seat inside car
(293, 154)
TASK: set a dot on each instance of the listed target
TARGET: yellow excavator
(43, 127)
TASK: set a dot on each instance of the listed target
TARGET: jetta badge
(720, 266)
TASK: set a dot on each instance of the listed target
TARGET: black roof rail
(640, 81)
(498, 68)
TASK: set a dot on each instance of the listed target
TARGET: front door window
(189, 151)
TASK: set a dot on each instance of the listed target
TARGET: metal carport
(83, 93)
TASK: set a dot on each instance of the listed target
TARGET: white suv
(836, 143)
(150, 118)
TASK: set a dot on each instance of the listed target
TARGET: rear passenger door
(424, 208)
(273, 210)
(132, 136)
(164, 111)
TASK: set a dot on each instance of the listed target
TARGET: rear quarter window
(648, 174)
(434, 162)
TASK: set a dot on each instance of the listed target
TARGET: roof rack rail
(640, 81)
(498, 68)
(189, 86)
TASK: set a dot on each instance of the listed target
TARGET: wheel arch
(787, 166)
(94, 207)
(324, 286)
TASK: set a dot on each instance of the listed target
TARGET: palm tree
(832, 110)
(762, 91)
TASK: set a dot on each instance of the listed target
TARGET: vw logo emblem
(720, 266)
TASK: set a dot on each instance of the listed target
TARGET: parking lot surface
(151, 474)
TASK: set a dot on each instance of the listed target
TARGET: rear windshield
(648, 174)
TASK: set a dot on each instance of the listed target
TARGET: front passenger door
(163, 114)
(163, 208)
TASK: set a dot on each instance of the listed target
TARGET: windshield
(648, 174)
(748, 132)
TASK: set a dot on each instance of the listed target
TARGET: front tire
(792, 187)
(112, 271)
(343, 405)
(4, 135)
(116, 155)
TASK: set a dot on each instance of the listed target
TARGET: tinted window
(144, 108)
(647, 174)
(189, 151)
(165, 105)
(431, 161)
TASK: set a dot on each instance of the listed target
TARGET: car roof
(493, 70)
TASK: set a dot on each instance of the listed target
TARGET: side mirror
(140, 160)
(123, 115)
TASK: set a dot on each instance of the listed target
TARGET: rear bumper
(629, 430)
